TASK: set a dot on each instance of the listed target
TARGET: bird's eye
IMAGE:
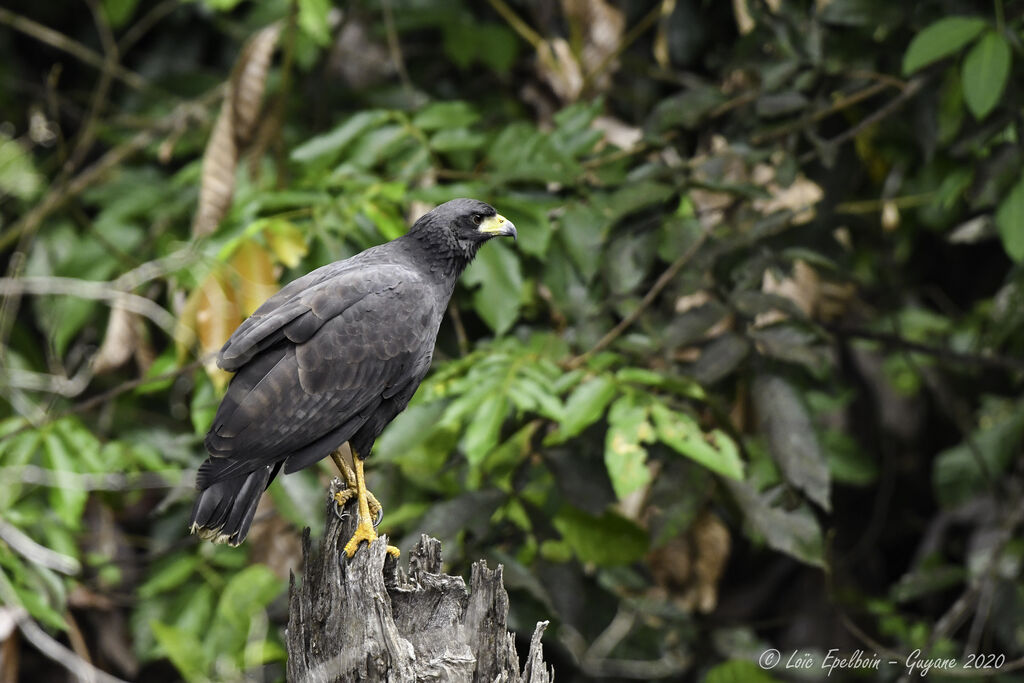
(477, 219)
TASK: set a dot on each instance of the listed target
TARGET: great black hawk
(333, 357)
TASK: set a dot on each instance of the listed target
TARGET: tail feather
(223, 511)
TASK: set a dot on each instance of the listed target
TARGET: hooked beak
(498, 226)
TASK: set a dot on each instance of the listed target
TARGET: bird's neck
(442, 253)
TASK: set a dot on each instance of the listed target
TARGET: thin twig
(87, 132)
(63, 43)
(813, 117)
(51, 384)
(47, 645)
(58, 196)
(395, 50)
(88, 289)
(460, 330)
(518, 25)
(143, 25)
(660, 284)
(894, 341)
(913, 87)
(35, 553)
(96, 481)
(111, 394)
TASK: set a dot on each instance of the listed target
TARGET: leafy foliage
(763, 324)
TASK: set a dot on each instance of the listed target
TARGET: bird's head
(465, 224)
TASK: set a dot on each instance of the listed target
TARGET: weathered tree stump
(364, 619)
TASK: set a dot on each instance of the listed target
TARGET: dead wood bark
(365, 619)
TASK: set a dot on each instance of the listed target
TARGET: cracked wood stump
(364, 619)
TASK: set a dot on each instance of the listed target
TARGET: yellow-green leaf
(286, 241)
(714, 450)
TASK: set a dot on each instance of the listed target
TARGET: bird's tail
(224, 509)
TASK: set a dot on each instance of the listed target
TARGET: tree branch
(63, 43)
(660, 284)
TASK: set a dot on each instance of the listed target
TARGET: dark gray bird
(333, 357)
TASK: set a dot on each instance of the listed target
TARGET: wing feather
(304, 376)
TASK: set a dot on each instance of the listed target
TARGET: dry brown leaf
(617, 132)
(600, 26)
(249, 81)
(800, 198)
(712, 542)
(803, 288)
(119, 341)
(689, 567)
(744, 22)
(720, 164)
(229, 293)
(235, 125)
(817, 298)
(217, 183)
(660, 49)
(211, 314)
(557, 66)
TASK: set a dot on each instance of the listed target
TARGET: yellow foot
(369, 507)
(343, 496)
(366, 532)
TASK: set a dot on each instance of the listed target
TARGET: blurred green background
(751, 377)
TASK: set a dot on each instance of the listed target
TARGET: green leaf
(169, 573)
(298, 497)
(975, 466)
(183, 649)
(985, 71)
(499, 274)
(18, 174)
(582, 230)
(624, 454)
(313, 20)
(66, 498)
(482, 434)
(687, 109)
(714, 450)
(607, 540)
(457, 140)
(118, 12)
(204, 404)
(248, 592)
(586, 405)
(792, 441)
(16, 451)
(446, 115)
(334, 142)
(940, 39)
(1010, 222)
(794, 532)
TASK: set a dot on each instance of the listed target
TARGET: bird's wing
(324, 358)
(332, 288)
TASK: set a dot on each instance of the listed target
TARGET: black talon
(339, 511)
(380, 516)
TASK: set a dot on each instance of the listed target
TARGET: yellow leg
(344, 496)
(364, 528)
